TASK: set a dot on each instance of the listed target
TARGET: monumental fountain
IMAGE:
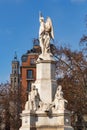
(46, 107)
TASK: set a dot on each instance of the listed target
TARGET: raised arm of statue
(42, 25)
(45, 35)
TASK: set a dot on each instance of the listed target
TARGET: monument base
(57, 120)
(45, 81)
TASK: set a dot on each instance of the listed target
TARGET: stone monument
(46, 107)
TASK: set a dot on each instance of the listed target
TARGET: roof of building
(34, 51)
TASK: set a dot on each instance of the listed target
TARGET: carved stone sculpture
(45, 108)
(33, 99)
(45, 35)
(59, 101)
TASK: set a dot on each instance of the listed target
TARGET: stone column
(45, 80)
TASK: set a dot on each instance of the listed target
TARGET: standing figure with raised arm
(59, 100)
(45, 35)
(41, 34)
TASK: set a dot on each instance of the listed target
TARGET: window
(14, 79)
(32, 61)
(14, 71)
(30, 74)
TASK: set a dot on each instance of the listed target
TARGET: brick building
(28, 67)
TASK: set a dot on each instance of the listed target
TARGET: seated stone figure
(33, 99)
(59, 102)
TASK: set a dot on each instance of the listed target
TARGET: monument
(46, 107)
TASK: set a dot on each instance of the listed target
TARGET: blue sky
(19, 24)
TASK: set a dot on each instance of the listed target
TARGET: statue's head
(41, 19)
(59, 87)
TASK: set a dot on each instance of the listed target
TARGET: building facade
(28, 67)
(15, 74)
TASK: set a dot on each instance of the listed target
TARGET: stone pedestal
(45, 81)
(58, 120)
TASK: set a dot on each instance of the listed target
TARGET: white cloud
(78, 1)
(74, 1)
(55, 1)
(11, 1)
